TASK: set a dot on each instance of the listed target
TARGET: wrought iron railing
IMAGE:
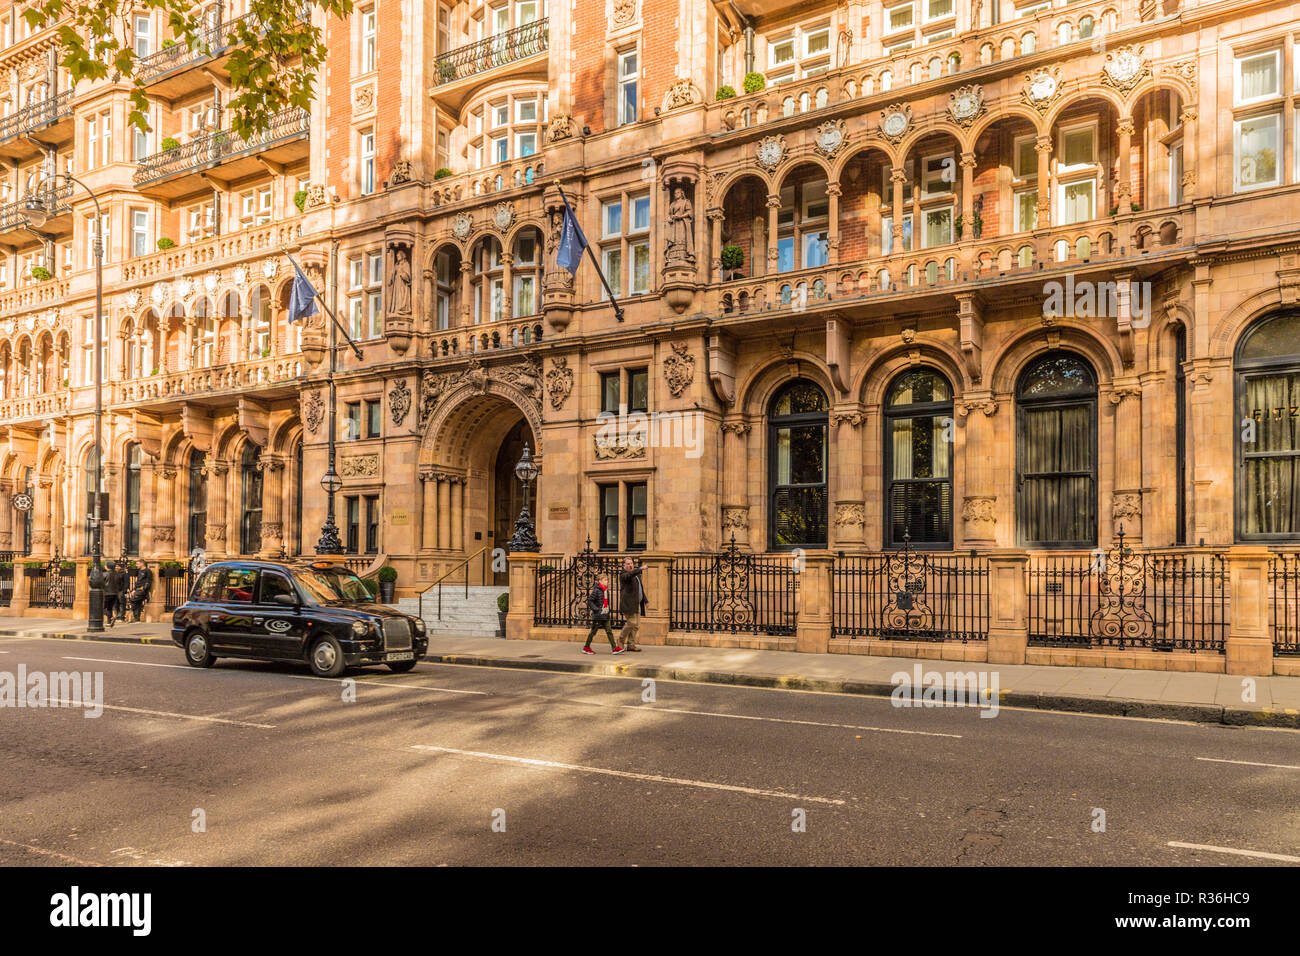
(562, 591)
(7, 583)
(732, 591)
(1284, 604)
(52, 585)
(1123, 597)
(910, 595)
(209, 42)
(36, 114)
(13, 215)
(176, 589)
(219, 146)
(492, 52)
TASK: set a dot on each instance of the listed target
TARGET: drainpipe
(748, 25)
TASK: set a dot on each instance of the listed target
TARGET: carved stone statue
(399, 283)
(681, 228)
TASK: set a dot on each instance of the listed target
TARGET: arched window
(797, 467)
(250, 480)
(92, 477)
(1267, 367)
(1056, 453)
(198, 502)
(918, 459)
(131, 522)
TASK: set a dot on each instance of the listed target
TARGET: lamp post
(525, 537)
(329, 542)
(37, 214)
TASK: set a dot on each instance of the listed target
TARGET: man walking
(598, 605)
(112, 593)
(631, 602)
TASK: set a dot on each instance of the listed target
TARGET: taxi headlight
(419, 626)
(360, 629)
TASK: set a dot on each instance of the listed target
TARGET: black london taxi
(320, 614)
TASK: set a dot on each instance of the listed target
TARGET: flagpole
(618, 311)
(320, 298)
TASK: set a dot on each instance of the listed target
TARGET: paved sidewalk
(1173, 695)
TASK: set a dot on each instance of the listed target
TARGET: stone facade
(1092, 143)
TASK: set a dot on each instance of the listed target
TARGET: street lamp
(524, 538)
(38, 213)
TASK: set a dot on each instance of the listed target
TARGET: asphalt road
(471, 765)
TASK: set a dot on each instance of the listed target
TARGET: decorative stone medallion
(679, 369)
(184, 287)
(132, 298)
(771, 151)
(895, 122)
(965, 104)
(158, 294)
(503, 215)
(559, 382)
(830, 137)
(399, 401)
(241, 276)
(210, 281)
(461, 226)
(1125, 68)
(313, 411)
(270, 266)
(1042, 87)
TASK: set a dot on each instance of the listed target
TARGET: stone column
(466, 290)
(850, 517)
(833, 191)
(1249, 647)
(773, 214)
(1188, 117)
(444, 512)
(716, 219)
(968, 196)
(21, 600)
(1008, 607)
(148, 504)
(429, 511)
(1043, 146)
(458, 513)
(216, 471)
(897, 177)
(813, 615)
(735, 472)
(1124, 174)
(6, 516)
(507, 286)
(523, 597)
(272, 504)
(44, 508)
(81, 589)
(164, 529)
(1126, 500)
(979, 498)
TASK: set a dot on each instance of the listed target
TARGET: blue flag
(302, 298)
(572, 242)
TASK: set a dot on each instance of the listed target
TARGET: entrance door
(508, 495)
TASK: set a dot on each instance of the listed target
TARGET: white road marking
(165, 713)
(652, 778)
(1251, 763)
(782, 720)
(50, 853)
(1235, 852)
(368, 682)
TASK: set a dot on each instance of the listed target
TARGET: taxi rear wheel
(326, 657)
(401, 667)
(198, 652)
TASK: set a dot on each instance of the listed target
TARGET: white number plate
(400, 656)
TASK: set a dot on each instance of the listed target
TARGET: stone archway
(470, 442)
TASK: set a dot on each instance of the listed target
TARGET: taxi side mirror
(286, 600)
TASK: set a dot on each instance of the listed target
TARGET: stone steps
(475, 615)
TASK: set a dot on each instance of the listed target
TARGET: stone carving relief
(850, 515)
(966, 104)
(503, 215)
(1042, 87)
(359, 466)
(313, 411)
(461, 226)
(830, 137)
(364, 100)
(560, 127)
(736, 519)
(895, 121)
(771, 151)
(624, 12)
(679, 369)
(559, 382)
(610, 447)
(681, 93)
(1125, 68)
(980, 515)
(401, 173)
(1126, 507)
(399, 401)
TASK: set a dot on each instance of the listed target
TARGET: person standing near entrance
(112, 593)
(631, 602)
(598, 605)
(139, 594)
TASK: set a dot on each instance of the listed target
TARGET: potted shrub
(387, 583)
(40, 273)
(503, 605)
(733, 258)
(754, 82)
(165, 243)
(300, 199)
(442, 173)
(170, 569)
(446, 71)
(725, 93)
(170, 142)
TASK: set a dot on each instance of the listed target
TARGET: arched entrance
(471, 443)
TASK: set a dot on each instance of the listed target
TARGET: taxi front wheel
(326, 658)
(198, 653)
